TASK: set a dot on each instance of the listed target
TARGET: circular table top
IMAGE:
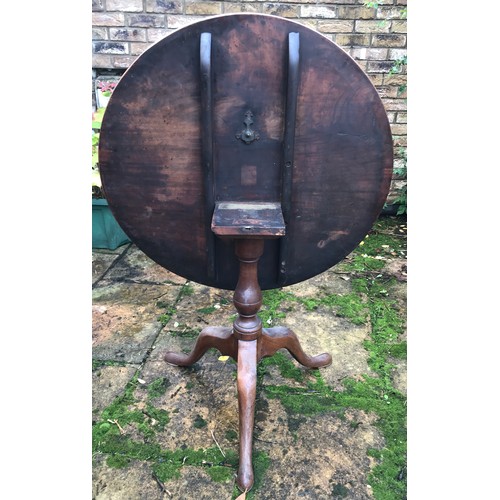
(153, 148)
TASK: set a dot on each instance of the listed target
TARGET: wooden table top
(154, 136)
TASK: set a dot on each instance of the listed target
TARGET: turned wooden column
(247, 296)
(247, 328)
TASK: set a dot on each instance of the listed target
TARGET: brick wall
(374, 36)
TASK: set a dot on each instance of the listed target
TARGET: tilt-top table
(246, 152)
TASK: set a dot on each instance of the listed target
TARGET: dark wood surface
(237, 219)
(153, 148)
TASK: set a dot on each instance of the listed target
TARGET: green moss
(121, 450)
(199, 422)
(272, 309)
(168, 463)
(161, 417)
(165, 471)
(363, 262)
(99, 363)
(146, 430)
(286, 367)
(231, 435)
(369, 301)
(383, 241)
(167, 315)
(220, 474)
(186, 290)
(170, 310)
(117, 461)
(120, 410)
(183, 331)
(260, 462)
(349, 306)
(158, 387)
(396, 350)
(340, 491)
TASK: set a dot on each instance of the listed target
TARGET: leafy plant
(96, 127)
(106, 87)
(397, 67)
(401, 199)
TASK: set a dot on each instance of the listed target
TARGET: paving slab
(108, 382)
(125, 319)
(135, 482)
(316, 455)
(102, 261)
(136, 266)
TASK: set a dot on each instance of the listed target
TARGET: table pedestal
(247, 343)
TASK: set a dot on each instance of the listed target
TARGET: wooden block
(248, 219)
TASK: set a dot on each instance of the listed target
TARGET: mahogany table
(246, 152)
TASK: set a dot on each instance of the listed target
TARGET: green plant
(398, 67)
(97, 116)
(106, 88)
(402, 192)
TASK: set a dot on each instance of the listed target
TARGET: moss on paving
(121, 450)
(369, 302)
(158, 387)
(170, 309)
(98, 363)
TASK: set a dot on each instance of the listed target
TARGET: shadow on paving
(161, 431)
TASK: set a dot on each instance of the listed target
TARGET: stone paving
(141, 310)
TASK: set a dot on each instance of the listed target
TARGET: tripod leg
(283, 338)
(247, 383)
(219, 337)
